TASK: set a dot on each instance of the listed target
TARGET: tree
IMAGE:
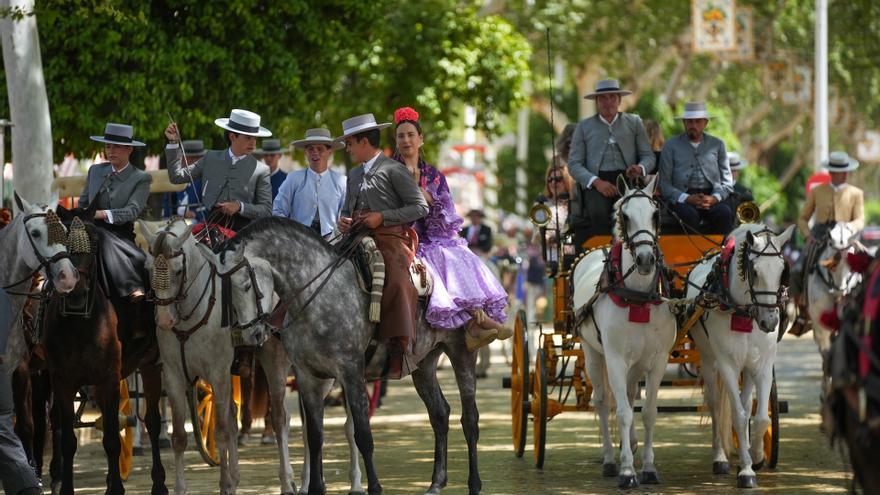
(28, 104)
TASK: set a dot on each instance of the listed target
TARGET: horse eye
(35, 234)
(247, 287)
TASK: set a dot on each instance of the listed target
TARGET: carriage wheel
(201, 405)
(374, 390)
(771, 436)
(519, 384)
(539, 408)
(126, 432)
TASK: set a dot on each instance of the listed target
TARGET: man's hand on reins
(345, 224)
(372, 220)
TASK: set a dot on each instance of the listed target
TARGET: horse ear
(183, 237)
(53, 200)
(21, 203)
(622, 186)
(149, 235)
(750, 238)
(206, 252)
(651, 187)
(785, 236)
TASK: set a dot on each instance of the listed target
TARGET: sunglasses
(554, 179)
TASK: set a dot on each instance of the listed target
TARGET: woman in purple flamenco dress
(465, 293)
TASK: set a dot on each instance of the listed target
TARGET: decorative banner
(714, 25)
(745, 40)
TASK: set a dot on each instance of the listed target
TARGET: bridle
(747, 272)
(44, 263)
(826, 274)
(628, 239)
(262, 316)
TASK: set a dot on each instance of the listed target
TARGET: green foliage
(872, 212)
(765, 185)
(651, 107)
(299, 64)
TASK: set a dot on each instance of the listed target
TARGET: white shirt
(114, 171)
(367, 165)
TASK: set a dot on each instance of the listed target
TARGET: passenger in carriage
(119, 192)
(313, 196)
(740, 192)
(605, 146)
(382, 198)
(236, 185)
(556, 195)
(465, 291)
(695, 176)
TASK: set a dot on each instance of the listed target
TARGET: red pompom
(830, 319)
(405, 113)
(859, 262)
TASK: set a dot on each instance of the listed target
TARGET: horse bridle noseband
(262, 315)
(44, 263)
(628, 240)
(748, 273)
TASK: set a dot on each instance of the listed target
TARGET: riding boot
(396, 352)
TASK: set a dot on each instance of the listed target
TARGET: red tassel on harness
(638, 313)
(830, 319)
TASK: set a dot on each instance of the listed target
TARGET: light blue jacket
(301, 195)
(678, 159)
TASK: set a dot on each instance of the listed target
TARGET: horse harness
(53, 224)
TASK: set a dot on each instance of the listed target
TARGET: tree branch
(541, 106)
(755, 115)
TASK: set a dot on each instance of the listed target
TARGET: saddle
(370, 267)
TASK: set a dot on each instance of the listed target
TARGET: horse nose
(769, 323)
(645, 259)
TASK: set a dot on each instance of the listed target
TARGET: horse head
(252, 285)
(44, 244)
(637, 223)
(173, 253)
(840, 240)
(761, 267)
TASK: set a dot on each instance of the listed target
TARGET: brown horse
(851, 409)
(90, 340)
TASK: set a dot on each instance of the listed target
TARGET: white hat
(839, 161)
(318, 136)
(117, 134)
(607, 86)
(243, 122)
(736, 163)
(271, 147)
(359, 124)
(695, 110)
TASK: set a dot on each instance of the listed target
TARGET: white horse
(31, 243)
(738, 337)
(619, 352)
(830, 279)
(186, 278)
(275, 361)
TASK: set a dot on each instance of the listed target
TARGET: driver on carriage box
(740, 192)
(826, 204)
(604, 147)
(695, 176)
(382, 196)
(119, 192)
(235, 186)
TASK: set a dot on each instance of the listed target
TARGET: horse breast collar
(740, 319)
(637, 302)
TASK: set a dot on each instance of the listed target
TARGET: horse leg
(108, 399)
(246, 377)
(649, 418)
(226, 444)
(746, 477)
(617, 380)
(428, 388)
(56, 463)
(152, 384)
(763, 382)
(273, 358)
(64, 399)
(41, 390)
(23, 401)
(358, 403)
(464, 367)
(311, 393)
(600, 400)
(174, 383)
(632, 391)
(720, 463)
(354, 468)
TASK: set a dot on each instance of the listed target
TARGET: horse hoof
(747, 481)
(627, 481)
(758, 466)
(649, 478)
(609, 470)
(720, 467)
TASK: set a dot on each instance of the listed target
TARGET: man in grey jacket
(382, 196)
(605, 146)
(235, 185)
(695, 174)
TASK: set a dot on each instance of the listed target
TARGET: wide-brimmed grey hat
(736, 163)
(840, 161)
(607, 86)
(117, 134)
(695, 110)
(359, 124)
(271, 147)
(318, 136)
(243, 122)
(194, 147)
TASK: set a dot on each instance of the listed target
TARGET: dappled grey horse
(329, 337)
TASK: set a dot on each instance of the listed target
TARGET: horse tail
(723, 414)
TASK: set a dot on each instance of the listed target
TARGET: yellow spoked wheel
(203, 416)
(126, 431)
(539, 408)
(519, 384)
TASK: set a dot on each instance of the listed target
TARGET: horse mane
(283, 224)
(617, 224)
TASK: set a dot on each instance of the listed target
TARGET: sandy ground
(404, 447)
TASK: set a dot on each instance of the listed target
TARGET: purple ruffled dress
(462, 282)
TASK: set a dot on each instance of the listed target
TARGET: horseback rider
(740, 192)
(381, 196)
(695, 174)
(605, 146)
(270, 154)
(313, 196)
(119, 192)
(236, 186)
(825, 205)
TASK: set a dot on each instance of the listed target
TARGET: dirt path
(404, 447)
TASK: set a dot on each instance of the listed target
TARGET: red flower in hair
(405, 113)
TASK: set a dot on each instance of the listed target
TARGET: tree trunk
(28, 103)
